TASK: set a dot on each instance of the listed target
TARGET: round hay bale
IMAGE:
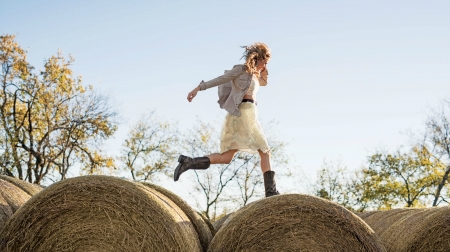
(13, 196)
(210, 226)
(29, 188)
(218, 224)
(412, 229)
(204, 233)
(294, 222)
(99, 213)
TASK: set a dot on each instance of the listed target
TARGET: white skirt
(243, 133)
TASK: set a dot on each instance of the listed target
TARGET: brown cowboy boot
(269, 184)
(187, 163)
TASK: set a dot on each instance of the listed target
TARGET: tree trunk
(440, 186)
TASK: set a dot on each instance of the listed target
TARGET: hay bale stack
(13, 194)
(412, 229)
(99, 213)
(294, 222)
(204, 233)
(29, 188)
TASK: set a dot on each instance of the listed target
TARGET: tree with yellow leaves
(391, 179)
(399, 179)
(49, 121)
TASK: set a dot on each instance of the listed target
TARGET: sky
(346, 77)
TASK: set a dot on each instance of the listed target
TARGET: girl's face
(261, 64)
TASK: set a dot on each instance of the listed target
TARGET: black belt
(248, 100)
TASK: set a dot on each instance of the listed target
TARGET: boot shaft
(269, 184)
(197, 163)
(187, 163)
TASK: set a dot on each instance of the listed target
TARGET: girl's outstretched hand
(193, 93)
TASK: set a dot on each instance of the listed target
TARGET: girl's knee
(264, 154)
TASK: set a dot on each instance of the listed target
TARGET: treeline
(50, 124)
(415, 175)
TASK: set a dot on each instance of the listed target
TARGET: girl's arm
(228, 76)
(193, 93)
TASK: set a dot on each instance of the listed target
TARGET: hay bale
(412, 229)
(99, 213)
(29, 188)
(210, 225)
(13, 195)
(294, 222)
(204, 233)
(218, 224)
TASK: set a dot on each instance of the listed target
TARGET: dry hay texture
(201, 225)
(218, 224)
(99, 213)
(13, 194)
(294, 222)
(412, 229)
(210, 225)
(29, 188)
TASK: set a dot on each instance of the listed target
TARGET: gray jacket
(232, 87)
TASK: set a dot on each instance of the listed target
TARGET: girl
(241, 130)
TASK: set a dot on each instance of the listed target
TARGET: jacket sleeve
(263, 78)
(228, 76)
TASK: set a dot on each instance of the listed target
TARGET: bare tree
(203, 139)
(229, 186)
(437, 139)
(149, 148)
(250, 180)
(332, 182)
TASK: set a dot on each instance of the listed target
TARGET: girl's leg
(269, 176)
(265, 161)
(224, 158)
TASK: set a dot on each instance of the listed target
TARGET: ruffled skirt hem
(244, 132)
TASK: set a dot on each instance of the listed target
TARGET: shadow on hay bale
(99, 213)
(412, 229)
(204, 232)
(294, 222)
(13, 194)
(210, 226)
(218, 224)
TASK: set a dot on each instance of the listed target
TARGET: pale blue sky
(346, 77)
